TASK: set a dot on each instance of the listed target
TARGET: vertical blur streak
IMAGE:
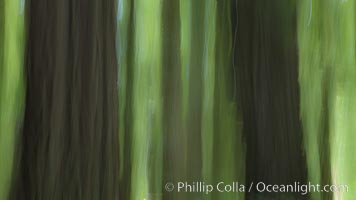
(229, 158)
(208, 79)
(11, 86)
(343, 96)
(328, 78)
(122, 50)
(175, 140)
(315, 71)
(69, 141)
(147, 101)
(125, 55)
(267, 62)
(192, 21)
(185, 36)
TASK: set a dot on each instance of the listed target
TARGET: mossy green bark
(327, 68)
(208, 93)
(146, 151)
(11, 86)
(229, 151)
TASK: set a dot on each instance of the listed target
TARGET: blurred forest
(112, 99)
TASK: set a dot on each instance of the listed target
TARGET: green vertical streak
(126, 56)
(12, 88)
(3, 179)
(192, 47)
(229, 159)
(327, 82)
(185, 20)
(311, 70)
(2, 19)
(185, 13)
(195, 80)
(122, 45)
(147, 102)
(343, 96)
(175, 140)
(208, 90)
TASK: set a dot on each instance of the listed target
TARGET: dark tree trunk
(125, 181)
(70, 133)
(267, 72)
(175, 166)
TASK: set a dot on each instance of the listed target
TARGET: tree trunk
(267, 70)
(70, 134)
